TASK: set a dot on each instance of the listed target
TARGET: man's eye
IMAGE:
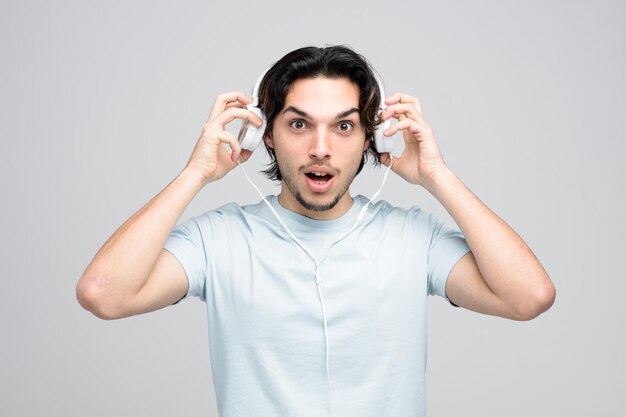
(298, 124)
(346, 126)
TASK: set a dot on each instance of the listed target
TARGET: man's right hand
(210, 159)
(132, 273)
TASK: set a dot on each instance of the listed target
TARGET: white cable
(382, 184)
(274, 212)
(363, 209)
(317, 276)
(317, 264)
(319, 292)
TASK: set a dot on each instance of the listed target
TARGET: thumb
(385, 158)
(244, 155)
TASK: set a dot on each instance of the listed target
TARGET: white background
(101, 104)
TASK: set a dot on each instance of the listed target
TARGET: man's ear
(268, 140)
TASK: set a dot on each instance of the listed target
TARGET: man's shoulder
(382, 208)
(384, 214)
(234, 210)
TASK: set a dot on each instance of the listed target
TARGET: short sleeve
(187, 245)
(447, 246)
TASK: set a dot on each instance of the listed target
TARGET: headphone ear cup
(382, 143)
(250, 136)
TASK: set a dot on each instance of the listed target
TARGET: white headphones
(250, 136)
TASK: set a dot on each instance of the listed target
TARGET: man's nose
(320, 143)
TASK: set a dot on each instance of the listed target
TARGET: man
(316, 300)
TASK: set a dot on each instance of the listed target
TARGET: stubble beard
(288, 180)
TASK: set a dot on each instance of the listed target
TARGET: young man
(317, 300)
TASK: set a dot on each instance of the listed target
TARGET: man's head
(332, 62)
(321, 106)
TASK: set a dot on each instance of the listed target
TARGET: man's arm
(132, 273)
(500, 276)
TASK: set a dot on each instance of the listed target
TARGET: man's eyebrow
(297, 111)
(347, 113)
(305, 115)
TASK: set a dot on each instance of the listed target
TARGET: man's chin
(317, 206)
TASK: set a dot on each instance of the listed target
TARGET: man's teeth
(319, 177)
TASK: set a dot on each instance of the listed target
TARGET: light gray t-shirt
(266, 329)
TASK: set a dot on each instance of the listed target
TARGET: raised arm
(500, 276)
(132, 273)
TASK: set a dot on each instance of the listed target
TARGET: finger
(404, 99)
(229, 139)
(223, 100)
(244, 155)
(234, 104)
(233, 113)
(406, 124)
(385, 158)
(400, 111)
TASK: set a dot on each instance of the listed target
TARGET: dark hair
(330, 62)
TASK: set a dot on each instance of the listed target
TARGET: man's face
(318, 140)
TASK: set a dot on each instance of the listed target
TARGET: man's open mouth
(320, 177)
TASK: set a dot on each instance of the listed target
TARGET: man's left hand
(421, 160)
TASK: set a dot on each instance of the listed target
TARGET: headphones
(250, 136)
